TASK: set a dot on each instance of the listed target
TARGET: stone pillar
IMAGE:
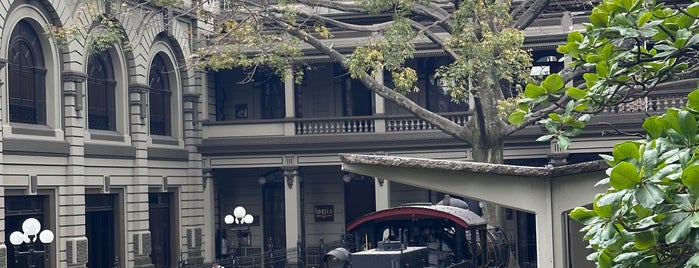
(383, 193)
(289, 101)
(209, 215)
(74, 125)
(3, 246)
(379, 105)
(138, 231)
(292, 209)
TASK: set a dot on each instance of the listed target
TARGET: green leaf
(679, 231)
(626, 150)
(553, 83)
(517, 117)
(576, 93)
(624, 176)
(545, 137)
(533, 91)
(602, 69)
(653, 126)
(690, 178)
(693, 41)
(583, 215)
(604, 211)
(649, 195)
(693, 100)
(688, 125)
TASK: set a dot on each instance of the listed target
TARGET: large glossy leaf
(626, 150)
(649, 195)
(644, 240)
(553, 83)
(693, 100)
(624, 176)
(690, 178)
(679, 231)
(688, 125)
(584, 215)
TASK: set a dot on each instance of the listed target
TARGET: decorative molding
(291, 174)
(198, 238)
(191, 97)
(75, 77)
(76, 250)
(81, 250)
(142, 90)
(3, 251)
(139, 88)
(2, 63)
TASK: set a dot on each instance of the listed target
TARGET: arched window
(27, 76)
(101, 111)
(159, 97)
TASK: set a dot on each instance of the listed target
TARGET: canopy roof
(460, 216)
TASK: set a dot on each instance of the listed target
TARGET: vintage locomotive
(422, 235)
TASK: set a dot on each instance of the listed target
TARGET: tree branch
(529, 15)
(446, 125)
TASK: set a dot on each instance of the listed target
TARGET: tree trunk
(492, 151)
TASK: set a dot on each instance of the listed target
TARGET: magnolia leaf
(533, 91)
(576, 93)
(584, 215)
(644, 240)
(624, 176)
(649, 195)
(690, 178)
(693, 100)
(553, 83)
(626, 150)
(653, 126)
(687, 125)
(517, 117)
(679, 231)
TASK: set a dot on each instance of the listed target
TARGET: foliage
(649, 215)
(633, 45)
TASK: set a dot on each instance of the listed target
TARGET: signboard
(324, 213)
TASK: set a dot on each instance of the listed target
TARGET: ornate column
(292, 207)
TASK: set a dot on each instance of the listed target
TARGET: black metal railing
(302, 256)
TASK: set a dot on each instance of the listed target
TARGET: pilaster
(292, 207)
(137, 192)
(383, 193)
(72, 196)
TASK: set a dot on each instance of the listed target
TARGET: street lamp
(239, 217)
(31, 228)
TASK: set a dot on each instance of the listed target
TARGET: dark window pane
(101, 93)
(159, 97)
(26, 81)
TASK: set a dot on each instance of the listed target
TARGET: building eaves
(473, 167)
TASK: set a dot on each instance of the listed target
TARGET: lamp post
(239, 217)
(29, 236)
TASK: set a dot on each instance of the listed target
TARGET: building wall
(64, 160)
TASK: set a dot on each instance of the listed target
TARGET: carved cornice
(139, 88)
(191, 97)
(75, 77)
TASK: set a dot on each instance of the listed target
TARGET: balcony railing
(656, 102)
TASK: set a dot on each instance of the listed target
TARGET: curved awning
(460, 216)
